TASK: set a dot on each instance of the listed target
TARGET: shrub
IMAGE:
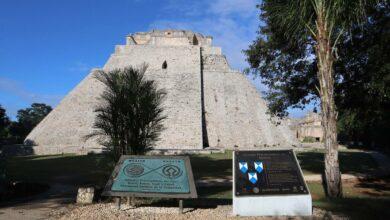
(129, 118)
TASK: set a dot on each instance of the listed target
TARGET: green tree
(28, 118)
(304, 28)
(4, 123)
(362, 91)
(129, 119)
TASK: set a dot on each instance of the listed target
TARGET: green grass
(212, 165)
(358, 202)
(215, 192)
(93, 169)
(350, 162)
(66, 169)
(220, 164)
(362, 200)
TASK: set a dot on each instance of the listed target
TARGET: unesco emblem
(134, 170)
(171, 171)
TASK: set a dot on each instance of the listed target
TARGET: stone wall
(65, 128)
(207, 103)
(310, 127)
(235, 113)
(181, 80)
(169, 38)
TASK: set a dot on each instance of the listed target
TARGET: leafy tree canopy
(289, 69)
(4, 123)
(28, 118)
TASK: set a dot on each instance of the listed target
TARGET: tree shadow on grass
(63, 173)
(208, 167)
(379, 186)
(358, 208)
(16, 150)
(350, 162)
(63, 169)
(94, 170)
(361, 200)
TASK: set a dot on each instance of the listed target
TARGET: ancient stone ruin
(310, 128)
(208, 104)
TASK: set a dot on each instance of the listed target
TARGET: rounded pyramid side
(65, 128)
(236, 114)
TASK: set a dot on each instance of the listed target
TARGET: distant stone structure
(310, 128)
(208, 104)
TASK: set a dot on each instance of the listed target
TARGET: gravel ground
(109, 211)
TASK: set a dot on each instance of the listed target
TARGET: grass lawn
(220, 165)
(65, 169)
(350, 162)
(93, 169)
(369, 199)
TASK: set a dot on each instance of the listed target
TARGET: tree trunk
(329, 113)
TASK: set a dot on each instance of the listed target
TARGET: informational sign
(152, 176)
(269, 183)
(267, 173)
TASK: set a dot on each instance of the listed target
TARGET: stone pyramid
(207, 105)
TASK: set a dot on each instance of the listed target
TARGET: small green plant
(309, 139)
(129, 118)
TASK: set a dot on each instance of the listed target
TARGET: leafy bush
(129, 119)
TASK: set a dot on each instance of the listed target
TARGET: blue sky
(48, 46)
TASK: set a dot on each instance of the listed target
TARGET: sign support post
(118, 203)
(180, 206)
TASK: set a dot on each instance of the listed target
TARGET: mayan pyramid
(208, 104)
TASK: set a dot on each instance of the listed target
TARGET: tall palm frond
(130, 117)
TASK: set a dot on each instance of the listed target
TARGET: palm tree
(323, 22)
(129, 118)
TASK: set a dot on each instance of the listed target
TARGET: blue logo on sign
(252, 176)
(258, 166)
(243, 167)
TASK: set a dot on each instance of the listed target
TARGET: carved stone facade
(207, 105)
(310, 127)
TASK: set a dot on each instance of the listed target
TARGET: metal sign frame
(191, 195)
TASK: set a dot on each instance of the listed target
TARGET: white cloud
(183, 7)
(232, 23)
(14, 88)
(244, 8)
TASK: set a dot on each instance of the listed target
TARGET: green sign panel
(152, 176)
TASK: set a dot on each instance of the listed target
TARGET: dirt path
(39, 206)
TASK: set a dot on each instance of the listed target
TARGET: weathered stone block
(85, 195)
